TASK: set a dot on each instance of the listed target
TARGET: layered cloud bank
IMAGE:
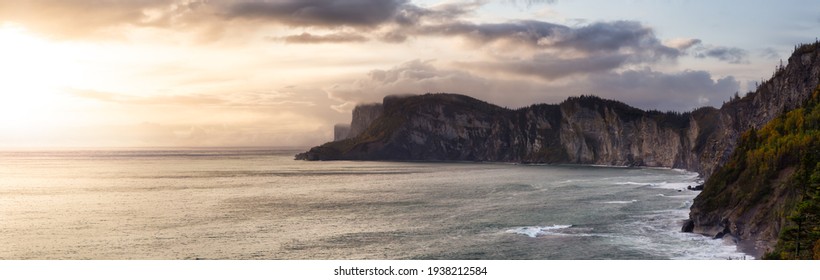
(248, 72)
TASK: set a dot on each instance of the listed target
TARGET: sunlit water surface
(262, 204)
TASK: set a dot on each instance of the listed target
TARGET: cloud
(552, 51)
(530, 3)
(551, 67)
(249, 118)
(246, 99)
(146, 100)
(611, 37)
(728, 54)
(645, 88)
(648, 89)
(80, 18)
(592, 38)
(95, 18)
(307, 38)
(411, 77)
(683, 44)
(325, 13)
(527, 32)
(445, 12)
(769, 53)
(99, 18)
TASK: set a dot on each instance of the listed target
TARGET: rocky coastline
(583, 130)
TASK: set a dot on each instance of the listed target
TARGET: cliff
(340, 132)
(363, 116)
(582, 130)
(767, 197)
(789, 87)
(591, 130)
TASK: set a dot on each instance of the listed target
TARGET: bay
(262, 204)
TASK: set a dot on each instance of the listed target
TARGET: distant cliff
(363, 116)
(583, 130)
(340, 132)
(591, 130)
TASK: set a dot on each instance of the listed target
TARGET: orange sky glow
(92, 73)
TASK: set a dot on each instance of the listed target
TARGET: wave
(536, 231)
(672, 186)
(621, 201)
(633, 183)
(661, 185)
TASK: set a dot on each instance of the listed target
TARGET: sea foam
(535, 231)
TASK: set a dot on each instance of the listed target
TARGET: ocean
(261, 204)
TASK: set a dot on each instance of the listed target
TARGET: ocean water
(262, 204)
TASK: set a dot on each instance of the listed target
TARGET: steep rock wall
(363, 116)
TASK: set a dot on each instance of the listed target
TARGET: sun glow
(35, 73)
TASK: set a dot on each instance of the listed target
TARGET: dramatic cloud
(601, 37)
(551, 67)
(553, 51)
(525, 32)
(612, 37)
(411, 15)
(326, 13)
(202, 72)
(81, 18)
(307, 38)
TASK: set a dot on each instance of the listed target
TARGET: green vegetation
(628, 113)
(800, 238)
(780, 158)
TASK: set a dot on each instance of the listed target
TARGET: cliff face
(611, 133)
(363, 116)
(584, 130)
(340, 132)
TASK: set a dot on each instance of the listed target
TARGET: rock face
(340, 132)
(582, 130)
(363, 116)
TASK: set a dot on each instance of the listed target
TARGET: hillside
(768, 195)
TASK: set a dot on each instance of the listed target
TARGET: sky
(201, 73)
